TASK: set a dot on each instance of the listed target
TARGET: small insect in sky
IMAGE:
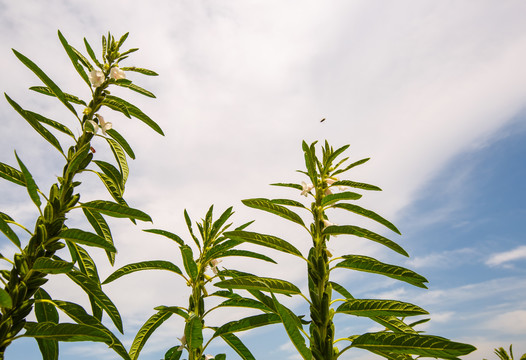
(322, 120)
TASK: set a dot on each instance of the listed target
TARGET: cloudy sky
(433, 91)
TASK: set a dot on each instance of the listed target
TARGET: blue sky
(433, 92)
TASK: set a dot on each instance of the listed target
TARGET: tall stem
(322, 327)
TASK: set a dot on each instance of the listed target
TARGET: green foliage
(399, 340)
(212, 245)
(504, 355)
(38, 256)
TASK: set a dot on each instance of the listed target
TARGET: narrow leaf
(47, 91)
(140, 70)
(120, 156)
(368, 264)
(332, 198)
(146, 331)
(263, 240)
(49, 266)
(135, 88)
(11, 174)
(28, 116)
(367, 213)
(11, 235)
(74, 58)
(45, 79)
(145, 265)
(294, 186)
(86, 238)
(116, 210)
(235, 343)
(259, 283)
(247, 253)
(54, 124)
(247, 323)
(422, 345)
(122, 142)
(288, 202)
(269, 206)
(193, 332)
(188, 261)
(361, 232)
(377, 307)
(31, 186)
(292, 330)
(137, 113)
(65, 332)
(167, 234)
(5, 299)
(92, 288)
(102, 229)
(357, 185)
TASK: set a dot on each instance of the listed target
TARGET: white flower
(331, 181)
(327, 223)
(96, 77)
(117, 74)
(103, 125)
(209, 357)
(306, 188)
(183, 343)
(213, 265)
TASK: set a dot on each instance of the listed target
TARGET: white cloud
(505, 257)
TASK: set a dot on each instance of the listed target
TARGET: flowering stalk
(38, 258)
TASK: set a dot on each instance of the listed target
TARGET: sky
(434, 92)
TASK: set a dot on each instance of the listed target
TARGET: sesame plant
(212, 245)
(40, 252)
(504, 355)
(326, 299)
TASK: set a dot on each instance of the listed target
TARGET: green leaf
(122, 142)
(112, 172)
(394, 324)
(332, 198)
(294, 186)
(28, 116)
(341, 290)
(144, 265)
(48, 348)
(173, 353)
(376, 307)
(116, 105)
(188, 261)
(292, 330)
(244, 302)
(137, 113)
(140, 70)
(5, 299)
(78, 314)
(269, 206)
(368, 264)
(193, 332)
(146, 331)
(359, 162)
(357, 185)
(247, 323)
(11, 174)
(369, 214)
(93, 288)
(113, 188)
(259, 283)
(116, 210)
(247, 253)
(235, 343)
(11, 235)
(44, 311)
(47, 91)
(54, 124)
(91, 53)
(65, 332)
(74, 58)
(49, 266)
(361, 232)
(263, 240)
(217, 225)
(78, 159)
(422, 345)
(31, 186)
(288, 202)
(120, 156)
(128, 84)
(174, 310)
(167, 234)
(45, 79)
(102, 229)
(83, 237)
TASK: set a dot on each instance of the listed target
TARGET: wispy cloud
(504, 258)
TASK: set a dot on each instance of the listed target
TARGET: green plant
(399, 340)
(212, 246)
(39, 258)
(503, 354)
